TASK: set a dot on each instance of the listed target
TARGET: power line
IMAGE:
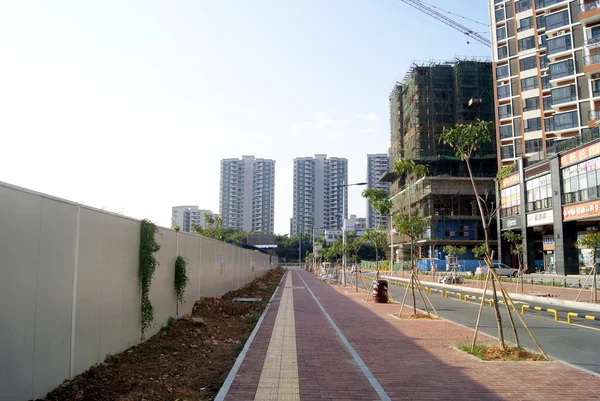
(419, 5)
(458, 15)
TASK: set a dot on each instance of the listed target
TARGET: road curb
(518, 297)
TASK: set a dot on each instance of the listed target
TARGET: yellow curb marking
(279, 377)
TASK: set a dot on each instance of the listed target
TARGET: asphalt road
(571, 343)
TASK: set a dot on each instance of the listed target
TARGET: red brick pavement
(326, 369)
(412, 360)
(246, 380)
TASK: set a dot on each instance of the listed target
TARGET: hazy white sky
(130, 106)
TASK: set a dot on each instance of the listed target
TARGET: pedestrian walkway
(323, 342)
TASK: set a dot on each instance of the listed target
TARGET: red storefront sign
(510, 180)
(581, 211)
(580, 155)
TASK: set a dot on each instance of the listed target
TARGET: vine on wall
(148, 263)
(181, 279)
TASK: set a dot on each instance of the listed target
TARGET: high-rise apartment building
(247, 194)
(318, 195)
(377, 165)
(547, 74)
(431, 98)
(187, 216)
(547, 89)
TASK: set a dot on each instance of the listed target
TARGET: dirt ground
(186, 361)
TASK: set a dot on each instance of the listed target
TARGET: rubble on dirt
(187, 360)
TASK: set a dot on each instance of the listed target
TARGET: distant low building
(351, 225)
(186, 216)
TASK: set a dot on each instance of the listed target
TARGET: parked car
(502, 270)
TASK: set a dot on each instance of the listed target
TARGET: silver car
(504, 270)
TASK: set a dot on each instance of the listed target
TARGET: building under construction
(433, 97)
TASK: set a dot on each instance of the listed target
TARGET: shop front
(540, 226)
(583, 218)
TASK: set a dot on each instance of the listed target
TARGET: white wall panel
(20, 216)
(56, 261)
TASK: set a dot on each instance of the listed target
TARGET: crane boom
(450, 22)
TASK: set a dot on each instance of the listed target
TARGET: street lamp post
(345, 186)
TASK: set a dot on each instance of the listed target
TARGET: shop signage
(581, 211)
(580, 155)
(548, 243)
(510, 180)
(540, 218)
(509, 223)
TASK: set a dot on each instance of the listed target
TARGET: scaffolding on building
(433, 96)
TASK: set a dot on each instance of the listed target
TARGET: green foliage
(516, 242)
(408, 166)
(479, 251)
(505, 171)
(287, 247)
(176, 227)
(411, 226)
(214, 229)
(466, 139)
(148, 263)
(379, 199)
(589, 241)
(181, 279)
(452, 250)
(378, 238)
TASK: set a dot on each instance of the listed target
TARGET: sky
(130, 106)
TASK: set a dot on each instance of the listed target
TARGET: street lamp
(344, 216)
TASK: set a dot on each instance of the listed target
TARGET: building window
(507, 152)
(532, 103)
(559, 44)
(543, 61)
(533, 145)
(501, 33)
(566, 120)
(502, 71)
(539, 193)
(529, 83)
(522, 5)
(549, 124)
(561, 69)
(500, 14)
(596, 88)
(506, 131)
(505, 111)
(581, 181)
(533, 124)
(564, 94)
(547, 102)
(510, 201)
(542, 41)
(593, 35)
(503, 91)
(556, 20)
(527, 43)
(528, 63)
(525, 23)
(546, 82)
(502, 52)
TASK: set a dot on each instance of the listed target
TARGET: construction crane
(450, 22)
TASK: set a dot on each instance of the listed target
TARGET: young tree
(516, 244)
(413, 228)
(379, 240)
(590, 241)
(466, 140)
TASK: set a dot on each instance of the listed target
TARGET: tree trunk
(376, 263)
(480, 206)
(497, 310)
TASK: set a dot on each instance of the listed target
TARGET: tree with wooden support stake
(590, 241)
(516, 248)
(413, 228)
(466, 140)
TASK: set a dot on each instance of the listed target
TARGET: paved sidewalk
(370, 355)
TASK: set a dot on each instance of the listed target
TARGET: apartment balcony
(589, 11)
(591, 64)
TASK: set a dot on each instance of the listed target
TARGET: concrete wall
(69, 287)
